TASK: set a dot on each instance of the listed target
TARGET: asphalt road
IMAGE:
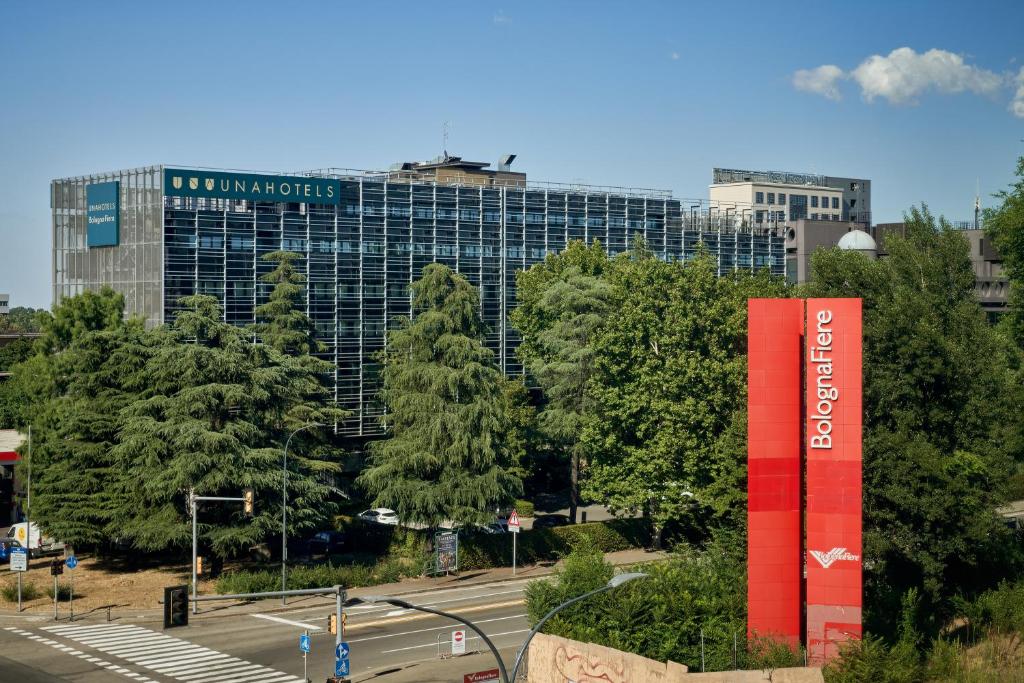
(229, 645)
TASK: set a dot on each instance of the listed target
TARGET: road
(229, 645)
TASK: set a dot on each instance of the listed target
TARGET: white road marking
(434, 644)
(436, 628)
(171, 657)
(280, 620)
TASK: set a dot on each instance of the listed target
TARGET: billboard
(103, 214)
(251, 186)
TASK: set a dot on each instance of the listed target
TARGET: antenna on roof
(977, 202)
(444, 138)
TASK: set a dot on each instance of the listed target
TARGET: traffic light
(332, 624)
(175, 606)
(199, 566)
(247, 497)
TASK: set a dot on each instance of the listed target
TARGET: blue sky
(641, 94)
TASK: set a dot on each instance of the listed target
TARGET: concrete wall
(559, 660)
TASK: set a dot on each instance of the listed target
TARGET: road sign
(304, 642)
(489, 676)
(341, 667)
(19, 559)
(458, 642)
(71, 562)
(56, 567)
(341, 651)
(513, 522)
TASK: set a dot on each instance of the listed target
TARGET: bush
(525, 508)
(482, 551)
(29, 591)
(63, 592)
(320, 576)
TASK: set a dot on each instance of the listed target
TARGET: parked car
(549, 521)
(5, 547)
(492, 528)
(39, 544)
(327, 543)
(379, 516)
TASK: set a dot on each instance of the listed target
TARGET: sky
(926, 99)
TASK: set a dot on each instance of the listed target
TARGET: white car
(41, 543)
(379, 516)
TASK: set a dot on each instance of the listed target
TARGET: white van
(40, 545)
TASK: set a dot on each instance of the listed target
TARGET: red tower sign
(792, 350)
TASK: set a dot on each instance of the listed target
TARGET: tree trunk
(574, 484)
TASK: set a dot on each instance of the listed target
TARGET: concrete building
(5, 304)
(159, 233)
(782, 197)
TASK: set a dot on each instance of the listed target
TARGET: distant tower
(977, 203)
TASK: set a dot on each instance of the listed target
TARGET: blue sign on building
(103, 214)
(261, 188)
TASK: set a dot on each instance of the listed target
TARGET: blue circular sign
(71, 562)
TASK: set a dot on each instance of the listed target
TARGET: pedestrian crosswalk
(158, 655)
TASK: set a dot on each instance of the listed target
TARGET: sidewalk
(213, 610)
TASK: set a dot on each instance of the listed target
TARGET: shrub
(525, 508)
(63, 592)
(29, 591)
(320, 576)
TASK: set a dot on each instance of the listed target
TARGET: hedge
(404, 553)
(483, 551)
(525, 508)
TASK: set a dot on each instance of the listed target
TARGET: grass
(9, 591)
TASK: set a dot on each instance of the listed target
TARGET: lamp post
(614, 582)
(284, 508)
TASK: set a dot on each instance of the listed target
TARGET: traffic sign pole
(513, 528)
(514, 553)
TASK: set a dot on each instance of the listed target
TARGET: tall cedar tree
(447, 453)
(935, 384)
(563, 303)
(212, 406)
(670, 391)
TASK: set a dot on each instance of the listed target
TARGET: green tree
(447, 452)
(563, 303)
(212, 406)
(21, 319)
(1004, 225)
(670, 388)
(935, 388)
(281, 322)
(88, 311)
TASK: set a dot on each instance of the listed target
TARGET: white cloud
(1017, 105)
(674, 55)
(821, 81)
(904, 74)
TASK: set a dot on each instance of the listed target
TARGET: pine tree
(447, 453)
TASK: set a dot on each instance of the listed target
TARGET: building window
(797, 206)
(771, 197)
(782, 198)
(759, 197)
(759, 216)
(814, 201)
(835, 202)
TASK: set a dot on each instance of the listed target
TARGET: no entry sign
(458, 642)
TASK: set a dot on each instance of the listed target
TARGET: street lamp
(284, 509)
(405, 605)
(614, 582)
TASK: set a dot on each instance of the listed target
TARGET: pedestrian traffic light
(247, 497)
(175, 606)
(332, 624)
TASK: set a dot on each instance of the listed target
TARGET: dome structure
(858, 240)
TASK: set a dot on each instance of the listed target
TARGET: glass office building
(159, 233)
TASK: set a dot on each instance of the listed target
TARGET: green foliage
(563, 303)
(936, 398)
(282, 324)
(448, 451)
(660, 617)
(388, 570)
(670, 386)
(77, 315)
(29, 591)
(481, 551)
(524, 508)
(17, 351)
(1004, 225)
(63, 591)
(21, 319)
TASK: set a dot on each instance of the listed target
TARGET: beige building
(776, 203)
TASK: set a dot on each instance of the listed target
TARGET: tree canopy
(448, 450)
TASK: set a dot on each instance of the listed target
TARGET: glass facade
(362, 252)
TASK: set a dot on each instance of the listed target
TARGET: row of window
(759, 198)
